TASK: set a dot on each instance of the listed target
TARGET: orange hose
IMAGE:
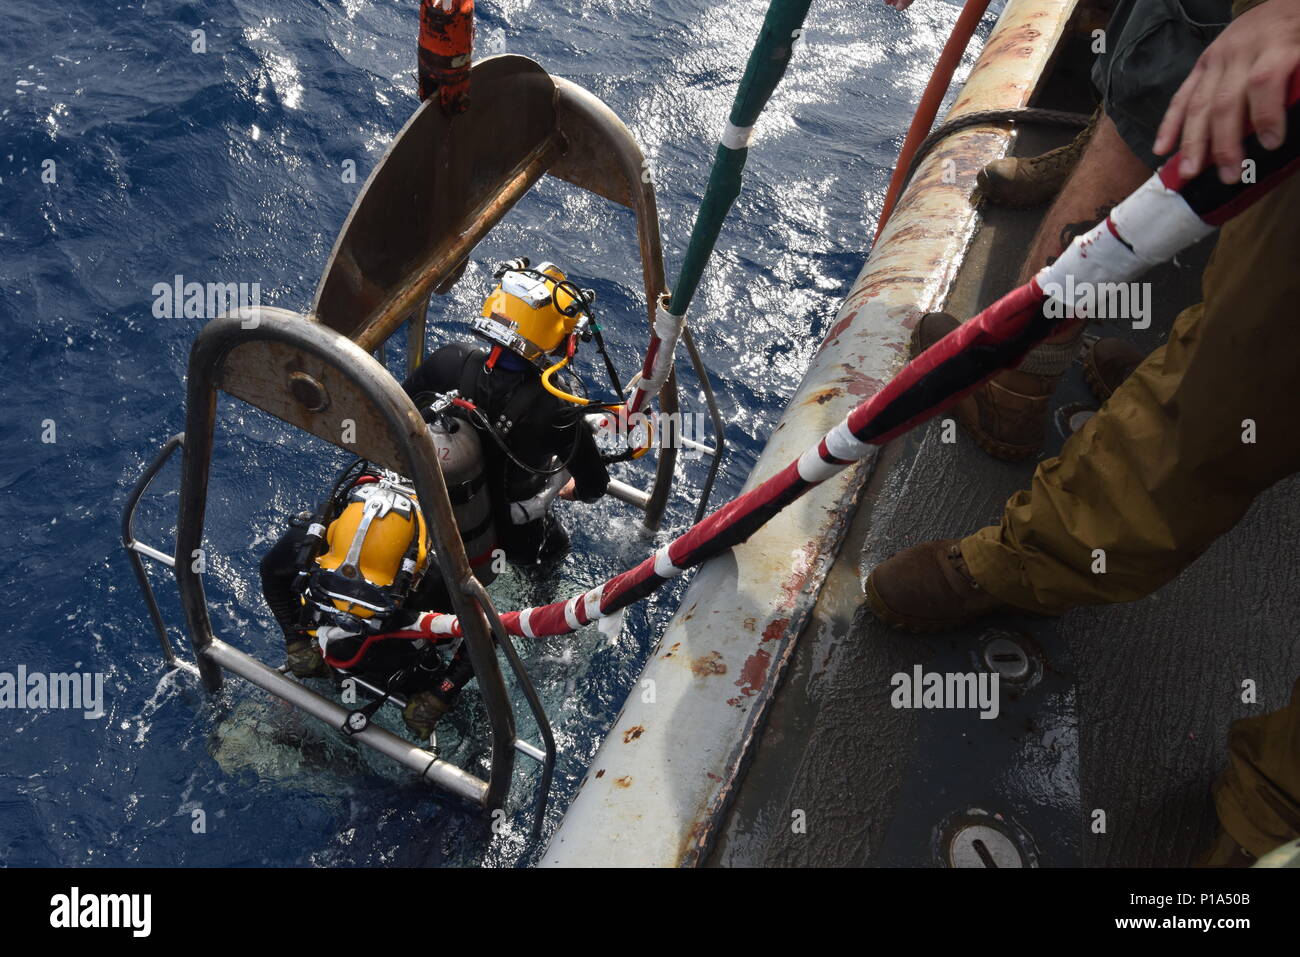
(926, 110)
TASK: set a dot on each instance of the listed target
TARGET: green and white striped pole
(782, 29)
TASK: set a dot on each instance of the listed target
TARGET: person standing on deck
(1184, 445)
(1150, 47)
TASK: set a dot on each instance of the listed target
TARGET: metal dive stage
(429, 202)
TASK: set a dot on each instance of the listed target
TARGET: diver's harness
(379, 496)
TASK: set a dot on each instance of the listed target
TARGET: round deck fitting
(978, 845)
(1007, 658)
(977, 838)
(1013, 656)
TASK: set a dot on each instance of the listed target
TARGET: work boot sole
(1092, 376)
(1096, 381)
(1093, 379)
(967, 413)
(991, 446)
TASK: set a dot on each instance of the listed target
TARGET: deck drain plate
(977, 838)
(979, 846)
(1012, 655)
(1007, 658)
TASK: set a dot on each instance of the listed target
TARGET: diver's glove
(305, 660)
(423, 709)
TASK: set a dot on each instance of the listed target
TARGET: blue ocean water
(225, 166)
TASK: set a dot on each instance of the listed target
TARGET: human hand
(1244, 74)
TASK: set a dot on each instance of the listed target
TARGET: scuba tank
(460, 453)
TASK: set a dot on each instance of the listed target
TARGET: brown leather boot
(1108, 363)
(423, 711)
(1022, 182)
(1007, 415)
(928, 588)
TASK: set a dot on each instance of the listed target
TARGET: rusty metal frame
(318, 380)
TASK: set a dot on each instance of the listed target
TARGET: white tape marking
(737, 137)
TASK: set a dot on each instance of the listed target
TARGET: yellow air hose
(578, 400)
(556, 390)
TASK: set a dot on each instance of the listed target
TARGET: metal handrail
(135, 548)
(475, 587)
(719, 427)
(429, 766)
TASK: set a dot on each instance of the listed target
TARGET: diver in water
(509, 441)
(356, 568)
(536, 444)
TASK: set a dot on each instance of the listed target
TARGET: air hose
(931, 99)
(612, 408)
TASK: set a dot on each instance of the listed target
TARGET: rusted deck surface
(1128, 718)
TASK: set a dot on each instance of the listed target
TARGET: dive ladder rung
(153, 553)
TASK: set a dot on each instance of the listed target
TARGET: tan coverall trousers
(1173, 460)
(1175, 457)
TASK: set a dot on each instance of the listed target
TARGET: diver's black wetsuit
(535, 425)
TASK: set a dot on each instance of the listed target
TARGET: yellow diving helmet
(376, 550)
(532, 312)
